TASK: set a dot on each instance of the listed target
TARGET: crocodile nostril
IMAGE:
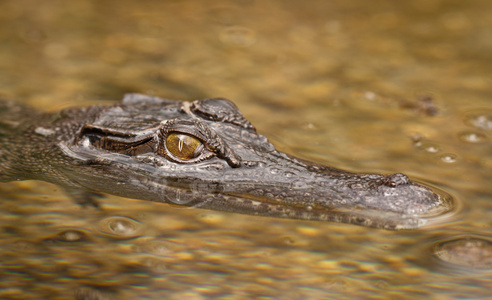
(395, 180)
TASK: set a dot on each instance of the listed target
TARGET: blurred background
(373, 86)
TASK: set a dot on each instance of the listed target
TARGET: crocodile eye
(183, 146)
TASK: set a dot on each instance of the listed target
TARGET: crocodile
(201, 153)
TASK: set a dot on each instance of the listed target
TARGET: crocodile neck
(29, 141)
(16, 122)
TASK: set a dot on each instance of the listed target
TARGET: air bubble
(431, 148)
(471, 252)
(426, 146)
(120, 227)
(480, 121)
(71, 235)
(309, 126)
(371, 96)
(449, 158)
(473, 137)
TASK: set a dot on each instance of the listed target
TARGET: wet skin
(202, 154)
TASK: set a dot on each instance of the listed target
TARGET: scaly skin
(122, 150)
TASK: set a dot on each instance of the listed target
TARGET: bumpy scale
(203, 154)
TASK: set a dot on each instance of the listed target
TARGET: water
(367, 86)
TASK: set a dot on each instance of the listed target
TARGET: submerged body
(201, 154)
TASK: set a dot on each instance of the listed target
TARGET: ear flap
(222, 110)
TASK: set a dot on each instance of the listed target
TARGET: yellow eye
(182, 146)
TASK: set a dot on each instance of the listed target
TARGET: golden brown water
(345, 83)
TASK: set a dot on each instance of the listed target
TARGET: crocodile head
(206, 154)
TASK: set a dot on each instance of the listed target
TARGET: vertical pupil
(181, 145)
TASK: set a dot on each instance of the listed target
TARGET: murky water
(389, 86)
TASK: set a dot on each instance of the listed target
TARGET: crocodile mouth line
(205, 154)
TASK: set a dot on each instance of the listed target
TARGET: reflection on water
(368, 86)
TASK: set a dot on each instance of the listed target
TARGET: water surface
(379, 86)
